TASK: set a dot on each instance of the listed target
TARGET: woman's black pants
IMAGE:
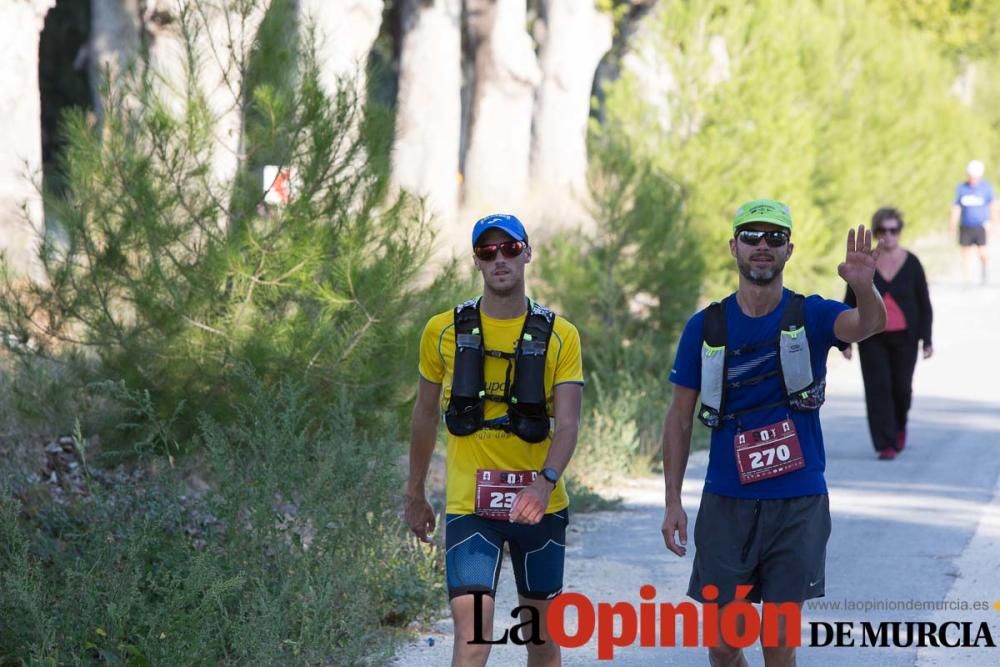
(887, 363)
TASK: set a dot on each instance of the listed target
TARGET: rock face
(507, 74)
(429, 108)
(21, 214)
(576, 37)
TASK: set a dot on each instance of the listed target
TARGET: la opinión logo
(620, 624)
(739, 623)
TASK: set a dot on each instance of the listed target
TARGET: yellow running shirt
(490, 448)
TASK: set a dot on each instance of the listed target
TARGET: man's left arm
(858, 271)
(531, 502)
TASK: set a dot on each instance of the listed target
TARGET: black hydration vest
(802, 392)
(526, 416)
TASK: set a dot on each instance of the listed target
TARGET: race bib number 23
(768, 451)
(496, 490)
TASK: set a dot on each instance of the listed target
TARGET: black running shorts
(776, 546)
(971, 235)
(474, 552)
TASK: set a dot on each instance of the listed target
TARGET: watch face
(550, 474)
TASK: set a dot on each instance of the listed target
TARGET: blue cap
(502, 221)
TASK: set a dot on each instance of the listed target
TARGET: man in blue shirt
(975, 207)
(758, 360)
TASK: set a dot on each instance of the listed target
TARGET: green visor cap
(763, 210)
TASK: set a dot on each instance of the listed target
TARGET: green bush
(294, 555)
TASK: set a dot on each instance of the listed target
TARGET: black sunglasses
(509, 249)
(753, 236)
(888, 230)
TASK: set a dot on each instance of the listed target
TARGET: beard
(760, 276)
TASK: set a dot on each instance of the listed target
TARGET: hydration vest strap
(714, 331)
(529, 419)
(472, 341)
(464, 414)
(530, 354)
(794, 359)
(794, 316)
(757, 379)
(794, 367)
(740, 413)
(714, 342)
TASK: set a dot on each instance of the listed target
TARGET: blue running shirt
(722, 477)
(975, 202)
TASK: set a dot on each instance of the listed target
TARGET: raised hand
(858, 267)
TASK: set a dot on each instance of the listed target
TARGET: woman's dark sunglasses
(887, 230)
(488, 252)
(753, 237)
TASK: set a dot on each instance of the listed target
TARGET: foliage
(840, 115)
(277, 563)
(628, 285)
(969, 28)
(160, 276)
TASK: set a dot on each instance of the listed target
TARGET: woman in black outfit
(888, 358)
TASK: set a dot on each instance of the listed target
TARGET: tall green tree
(143, 285)
(819, 104)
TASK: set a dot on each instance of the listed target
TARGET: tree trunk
(115, 29)
(223, 37)
(577, 36)
(507, 73)
(964, 87)
(429, 108)
(21, 212)
(345, 32)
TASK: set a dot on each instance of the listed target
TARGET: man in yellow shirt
(508, 367)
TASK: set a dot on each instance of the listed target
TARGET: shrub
(295, 554)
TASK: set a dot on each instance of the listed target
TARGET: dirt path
(924, 528)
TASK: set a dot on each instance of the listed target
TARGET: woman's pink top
(895, 319)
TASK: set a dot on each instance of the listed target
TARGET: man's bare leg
(541, 655)
(968, 259)
(781, 655)
(465, 654)
(725, 655)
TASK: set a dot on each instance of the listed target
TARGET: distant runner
(516, 365)
(758, 360)
(976, 208)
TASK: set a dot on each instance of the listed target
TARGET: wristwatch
(551, 475)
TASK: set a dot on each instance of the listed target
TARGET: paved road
(925, 527)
